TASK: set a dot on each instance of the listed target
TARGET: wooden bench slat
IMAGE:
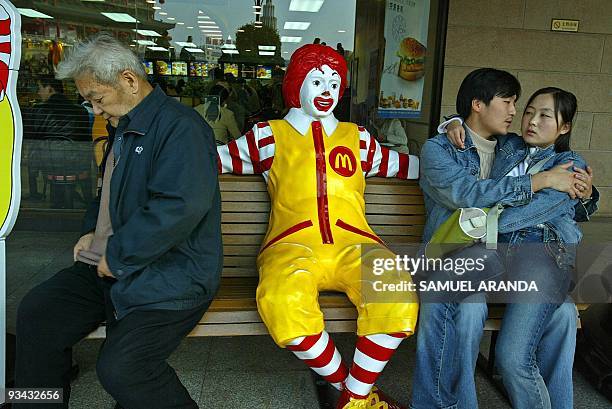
(378, 219)
(393, 199)
(239, 250)
(372, 209)
(239, 207)
(237, 239)
(402, 189)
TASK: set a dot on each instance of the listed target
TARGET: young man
(452, 178)
(150, 257)
(315, 168)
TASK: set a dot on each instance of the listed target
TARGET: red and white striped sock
(320, 354)
(372, 353)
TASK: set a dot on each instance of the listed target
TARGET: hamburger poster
(401, 83)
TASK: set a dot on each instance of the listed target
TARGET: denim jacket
(548, 208)
(449, 180)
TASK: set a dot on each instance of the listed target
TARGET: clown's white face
(320, 92)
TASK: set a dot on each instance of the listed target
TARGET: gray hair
(102, 56)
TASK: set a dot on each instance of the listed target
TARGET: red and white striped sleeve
(250, 154)
(377, 160)
(5, 50)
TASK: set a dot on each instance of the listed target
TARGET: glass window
(233, 50)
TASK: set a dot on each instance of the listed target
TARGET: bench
(394, 209)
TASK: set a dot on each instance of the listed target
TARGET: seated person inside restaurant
(220, 118)
(55, 117)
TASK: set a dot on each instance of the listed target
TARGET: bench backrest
(394, 209)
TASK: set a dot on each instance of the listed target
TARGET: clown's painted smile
(323, 104)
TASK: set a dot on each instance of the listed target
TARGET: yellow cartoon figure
(10, 120)
(318, 237)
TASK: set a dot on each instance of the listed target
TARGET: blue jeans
(448, 341)
(535, 348)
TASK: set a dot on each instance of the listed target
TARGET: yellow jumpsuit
(315, 235)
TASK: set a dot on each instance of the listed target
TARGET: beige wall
(515, 35)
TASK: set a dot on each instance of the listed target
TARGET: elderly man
(150, 257)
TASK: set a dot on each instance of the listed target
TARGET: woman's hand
(585, 176)
(560, 178)
(456, 134)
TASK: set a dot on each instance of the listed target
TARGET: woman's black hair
(566, 105)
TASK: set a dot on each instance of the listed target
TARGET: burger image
(412, 59)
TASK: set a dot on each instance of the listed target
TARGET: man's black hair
(50, 81)
(484, 84)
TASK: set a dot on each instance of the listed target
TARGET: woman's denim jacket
(449, 180)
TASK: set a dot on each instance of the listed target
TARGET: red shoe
(348, 402)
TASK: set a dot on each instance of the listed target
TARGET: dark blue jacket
(165, 209)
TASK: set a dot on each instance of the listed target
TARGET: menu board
(179, 68)
(148, 66)
(231, 69)
(264, 72)
(163, 67)
(198, 69)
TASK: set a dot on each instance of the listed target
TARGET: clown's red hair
(303, 60)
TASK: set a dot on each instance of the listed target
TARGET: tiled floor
(235, 372)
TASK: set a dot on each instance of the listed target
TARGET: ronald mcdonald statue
(315, 168)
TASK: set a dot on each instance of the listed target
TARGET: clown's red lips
(323, 104)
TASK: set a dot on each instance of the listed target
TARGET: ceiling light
(257, 12)
(194, 50)
(342, 31)
(170, 18)
(151, 1)
(144, 42)
(180, 23)
(212, 31)
(296, 25)
(256, 7)
(206, 22)
(33, 13)
(203, 17)
(157, 48)
(267, 47)
(230, 51)
(121, 17)
(148, 33)
(267, 53)
(312, 6)
(156, 8)
(288, 39)
(248, 50)
(232, 46)
(163, 13)
(183, 44)
(240, 31)
(189, 27)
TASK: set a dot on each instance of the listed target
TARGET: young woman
(542, 237)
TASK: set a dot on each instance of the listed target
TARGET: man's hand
(585, 176)
(456, 134)
(103, 269)
(84, 243)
